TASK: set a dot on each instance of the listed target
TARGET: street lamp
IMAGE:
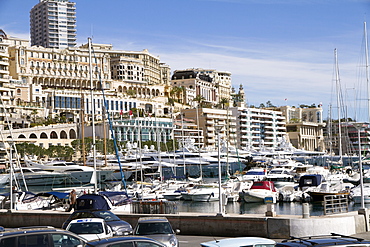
(218, 129)
(359, 126)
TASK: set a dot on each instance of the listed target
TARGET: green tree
(224, 102)
(269, 104)
(62, 152)
(34, 114)
(200, 100)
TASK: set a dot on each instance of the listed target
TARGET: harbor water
(281, 208)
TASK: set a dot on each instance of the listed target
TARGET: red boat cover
(264, 185)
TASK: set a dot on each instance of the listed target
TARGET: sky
(281, 51)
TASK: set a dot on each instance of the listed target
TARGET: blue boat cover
(60, 195)
(117, 198)
(92, 201)
(310, 180)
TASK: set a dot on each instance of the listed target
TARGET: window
(65, 240)
(146, 244)
(126, 244)
(40, 240)
(7, 242)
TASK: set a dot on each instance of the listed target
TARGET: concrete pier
(228, 225)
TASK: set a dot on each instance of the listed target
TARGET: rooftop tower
(53, 24)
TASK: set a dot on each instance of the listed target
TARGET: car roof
(15, 231)
(120, 238)
(84, 220)
(333, 239)
(229, 242)
(91, 210)
(152, 219)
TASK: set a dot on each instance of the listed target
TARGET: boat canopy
(264, 185)
(310, 180)
(117, 198)
(92, 201)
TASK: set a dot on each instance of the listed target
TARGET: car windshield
(106, 215)
(154, 228)
(86, 228)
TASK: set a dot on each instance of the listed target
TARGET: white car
(241, 241)
(90, 228)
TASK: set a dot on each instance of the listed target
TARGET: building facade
(213, 86)
(305, 127)
(214, 123)
(259, 128)
(53, 24)
(58, 81)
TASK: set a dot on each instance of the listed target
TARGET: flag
(121, 112)
(130, 112)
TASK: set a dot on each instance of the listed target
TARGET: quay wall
(213, 225)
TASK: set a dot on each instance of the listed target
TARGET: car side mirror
(177, 231)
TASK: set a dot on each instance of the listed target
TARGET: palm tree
(224, 102)
(200, 99)
(178, 92)
(34, 113)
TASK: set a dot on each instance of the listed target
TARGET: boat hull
(207, 197)
(258, 196)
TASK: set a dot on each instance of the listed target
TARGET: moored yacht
(259, 192)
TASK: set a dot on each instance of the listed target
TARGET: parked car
(118, 226)
(128, 241)
(158, 228)
(324, 240)
(90, 228)
(242, 241)
(40, 237)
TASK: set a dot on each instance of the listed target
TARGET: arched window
(53, 135)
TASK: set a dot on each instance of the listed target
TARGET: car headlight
(173, 241)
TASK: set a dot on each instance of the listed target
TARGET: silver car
(158, 228)
(241, 241)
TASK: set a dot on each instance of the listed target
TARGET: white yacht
(260, 191)
(255, 174)
(280, 177)
(205, 193)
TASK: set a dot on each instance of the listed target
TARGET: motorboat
(205, 193)
(260, 192)
(290, 193)
(77, 173)
(356, 196)
(280, 177)
(22, 200)
(38, 176)
(255, 174)
(233, 187)
(315, 188)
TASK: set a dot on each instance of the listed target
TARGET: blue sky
(277, 49)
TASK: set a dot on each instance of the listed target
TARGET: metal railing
(154, 207)
(335, 204)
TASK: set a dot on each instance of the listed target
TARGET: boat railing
(335, 204)
(154, 207)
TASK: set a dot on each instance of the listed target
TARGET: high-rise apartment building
(53, 24)
(258, 128)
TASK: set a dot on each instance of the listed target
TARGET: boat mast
(200, 161)
(83, 128)
(367, 71)
(92, 117)
(158, 145)
(338, 103)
